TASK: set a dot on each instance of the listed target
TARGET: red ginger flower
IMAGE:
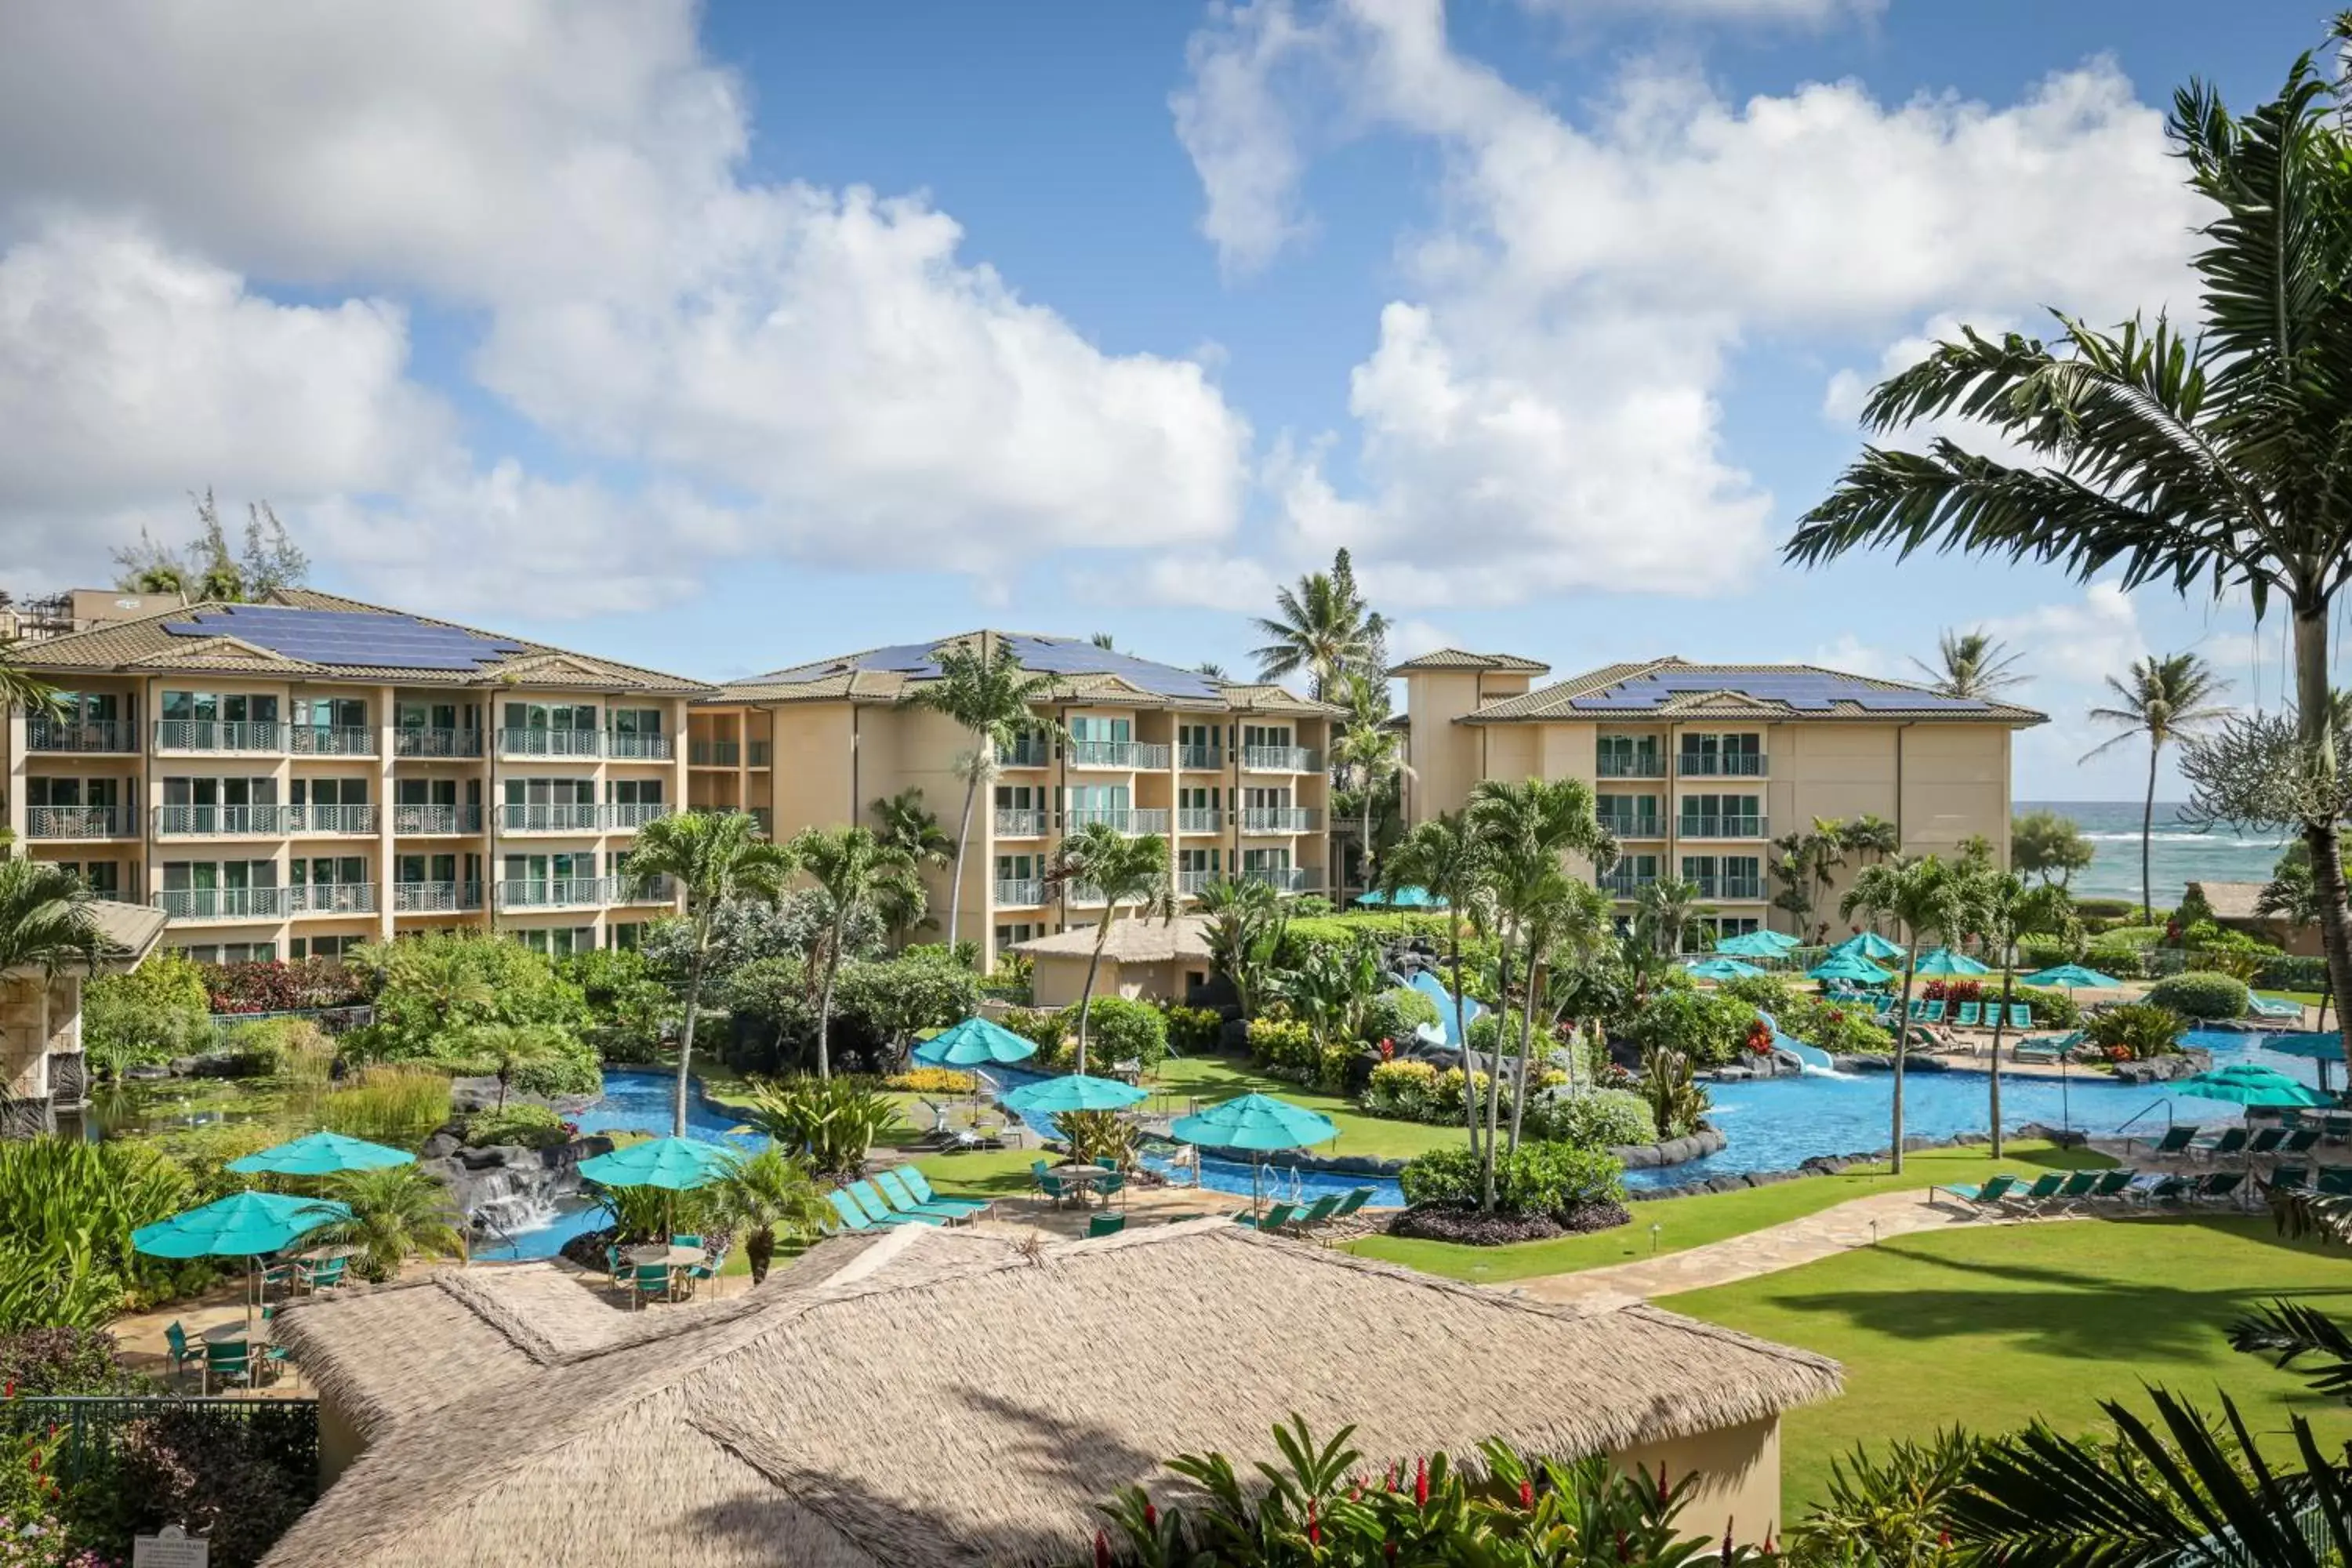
(1421, 1483)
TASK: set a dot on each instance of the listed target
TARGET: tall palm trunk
(2007, 983)
(824, 1000)
(693, 1010)
(1462, 1033)
(2314, 712)
(1902, 1049)
(1364, 845)
(1527, 1045)
(963, 844)
(1494, 1078)
(2148, 830)
(1086, 996)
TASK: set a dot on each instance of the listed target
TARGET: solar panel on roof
(348, 638)
(1806, 689)
(1050, 655)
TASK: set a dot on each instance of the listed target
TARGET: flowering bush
(930, 1080)
(275, 986)
(53, 1361)
(2139, 1028)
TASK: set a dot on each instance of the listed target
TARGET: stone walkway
(1859, 1223)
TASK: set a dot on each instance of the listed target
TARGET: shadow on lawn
(2049, 1308)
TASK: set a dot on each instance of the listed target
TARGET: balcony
(417, 741)
(1200, 758)
(78, 822)
(220, 821)
(1284, 879)
(571, 816)
(209, 735)
(1018, 892)
(713, 753)
(1116, 754)
(627, 890)
(1125, 819)
(1200, 819)
(1012, 823)
(1281, 760)
(331, 899)
(548, 743)
(222, 903)
(761, 752)
(435, 897)
(555, 893)
(1029, 752)
(43, 733)
(631, 746)
(1730, 887)
(627, 817)
(1641, 765)
(426, 821)
(1696, 827)
(1623, 883)
(1625, 825)
(1190, 883)
(330, 820)
(1280, 819)
(331, 740)
(1708, 765)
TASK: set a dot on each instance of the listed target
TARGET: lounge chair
(881, 1210)
(1357, 1198)
(1316, 1213)
(2078, 1189)
(2162, 1189)
(2265, 1142)
(2173, 1145)
(2335, 1129)
(2045, 1187)
(2115, 1183)
(1972, 1014)
(2300, 1141)
(920, 1185)
(2274, 1007)
(2334, 1181)
(227, 1360)
(2219, 1187)
(1918, 1008)
(2021, 1017)
(2048, 1049)
(2231, 1143)
(1277, 1215)
(1104, 1225)
(902, 1199)
(854, 1218)
(651, 1280)
(1983, 1199)
(1935, 1012)
(2289, 1179)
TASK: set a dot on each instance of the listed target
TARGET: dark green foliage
(2142, 1028)
(1394, 1014)
(529, 1126)
(432, 991)
(1122, 1030)
(628, 1003)
(2200, 995)
(1678, 1101)
(67, 1212)
(151, 1014)
(64, 1361)
(1710, 1028)
(1889, 1511)
(1593, 1119)
(828, 1123)
(1537, 1177)
(882, 1002)
(1194, 1031)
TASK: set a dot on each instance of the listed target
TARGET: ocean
(2179, 853)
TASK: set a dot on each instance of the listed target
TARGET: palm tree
(1668, 908)
(1871, 834)
(1121, 868)
(2001, 908)
(904, 823)
(512, 1045)
(20, 688)
(857, 870)
(1372, 756)
(1919, 894)
(766, 1193)
(46, 920)
(444, 977)
(1448, 857)
(397, 1212)
(2168, 697)
(1210, 669)
(2210, 462)
(985, 692)
(1242, 922)
(1971, 665)
(715, 857)
(1322, 627)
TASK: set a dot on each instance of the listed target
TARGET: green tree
(2208, 462)
(2001, 908)
(984, 691)
(397, 1213)
(1806, 865)
(2045, 845)
(1871, 834)
(1322, 627)
(1919, 894)
(507, 1047)
(714, 857)
(765, 1194)
(1666, 909)
(45, 920)
(1448, 856)
(2165, 698)
(857, 871)
(2290, 897)
(1243, 923)
(1370, 755)
(1973, 665)
(1121, 868)
(904, 823)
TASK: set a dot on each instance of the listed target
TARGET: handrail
(2165, 1100)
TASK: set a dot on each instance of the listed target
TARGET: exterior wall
(1060, 978)
(340, 1442)
(1447, 757)
(1955, 784)
(40, 1039)
(1735, 1473)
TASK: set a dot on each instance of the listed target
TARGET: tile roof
(1676, 689)
(1456, 658)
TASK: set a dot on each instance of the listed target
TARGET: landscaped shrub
(2200, 994)
(1098, 1135)
(885, 1001)
(1539, 1177)
(1284, 1048)
(387, 1104)
(1041, 1025)
(67, 1361)
(1122, 1030)
(237, 1482)
(1772, 992)
(628, 1007)
(830, 1123)
(1396, 1014)
(1417, 1091)
(746, 930)
(276, 985)
(293, 1049)
(1841, 1028)
(930, 1080)
(530, 1126)
(2290, 972)
(1595, 1119)
(155, 1012)
(2137, 1031)
(1193, 1031)
(1678, 1101)
(1708, 1028)
(433, 990)
(67, 1212)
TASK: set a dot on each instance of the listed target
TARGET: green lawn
(1695, 1221)
(1991, 1327)
(1214, 1079)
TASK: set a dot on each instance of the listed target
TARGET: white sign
(171, 1547)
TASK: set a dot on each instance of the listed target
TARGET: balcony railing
(625, 815)
(210, 735)
(761, 752)
(1032, 752)
(1190, 882)
(1200, 819)
(1640, 765)
(1284, 879)
(713, 753)
(1709, 764)
(1627, 825)
(219, 821)
(222, 903)
(331, 740)
(43, 733)
(1201, 757)
(1624, 884)
(437, 819)
(548, 743)
(1733, 826)
(554, 892)
(1730, 887)
(631, 745)
(1081, 893)
(571, 816)
(418, 740)
(1280, 819)
(330, 819)
(656, 890)
(1126, 819)
(78, 822)
(1018, 892)
(1281, 759)
(1116, 754)
(1014, 822)
(331, 899)
(434, 898)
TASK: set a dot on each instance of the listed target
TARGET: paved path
(1858, 1222)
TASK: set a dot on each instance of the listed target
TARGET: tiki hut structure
(936, 1398)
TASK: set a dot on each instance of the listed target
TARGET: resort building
(934, 1397)
(1233, 775)
(43, 1083)
(1696, 768)
(287, 778)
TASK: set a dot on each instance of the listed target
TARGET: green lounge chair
(852, 1216)
(1276, 1217)
(902, 1200)
(1935, 1012)
(2218, 1188)
(1357, 1198)
(651, 1280)
(2020, 1016)
(1104, 1225)
(2165, 1189)
(1918, 1008)
(879, 1209)
(2044, 1188)
(1321, 1210)
(920, 1185)
(1970, 1012)
(2265, 1142)
(2300, 1141)
(2229, 1145)
(2078, 1189)
(2335, 1181)
(2115, 1183)
(2171, 1146)
(229, 1361)
(2290, 1179)
(2046, 1051)
(1983, 1199)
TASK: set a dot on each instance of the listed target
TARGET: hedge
(2200, 995)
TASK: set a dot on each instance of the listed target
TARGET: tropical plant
(2045, 845)
(1449, 857)
(46, 920)
(766, 1194)
(67, 1212)
(1871, 834)
(1555, 1178)
(2200, 995)
(713, 857)
(1119, 869)
(985, 692)
(1918, 894)
(2003, 911)
(398, 1212)
(507, 1048)
(1806, 865)
(1124, 1030)
(854, 869)
(525, 1126)
(1370, 755)
(1890, 1511)
(150, 1014)
(1678, 1102)
(1972, 665)
(1243, 925)
(2141, 1030)
(390, 1101)
(1098, 1135)
(1666, 909)
(904, 823)
(1330, 989)
(270, 560)
(1322, 627)
(2167, 699)
(830, 1123)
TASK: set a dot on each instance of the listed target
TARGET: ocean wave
(2208, 839)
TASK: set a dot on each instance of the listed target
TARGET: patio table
(329, 1253)
(1082, 1177)
(234, 1330)
(672, 1256)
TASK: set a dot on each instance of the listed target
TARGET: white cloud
(2077, 643)
(1851, 654)
(1812, 13)
(1240, 136)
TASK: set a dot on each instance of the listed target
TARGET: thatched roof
(2232, 900)
(127, 934)
(1133, 940)
(944, 1401)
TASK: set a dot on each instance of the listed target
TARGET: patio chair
(1320, 1211)
(2335, 1129)
(2021, 1017)
(1113, 1184)
(176, 1340)
(686, 1241)
(902, 1200)
(2045, 1187)
(2231, 1143)
(2334, 1181)
(1981, 1198)
(1970, 1012)
(709, 1268)
(2162, 1189)
(2173, 1145)
(2219, 1188)
(1104, 1225)
(1277, 1215)
(650, 1280)
(325, 1275)
(2274, 1007)
(1934, 1014)
(879, 1210)
(285, 1274)
(2077, 1190)
(228, 1361)
(920, 1185)
(2265, 1142)
(616, 1265)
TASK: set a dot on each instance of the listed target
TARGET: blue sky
(722, 338)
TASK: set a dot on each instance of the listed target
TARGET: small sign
(171, 1547)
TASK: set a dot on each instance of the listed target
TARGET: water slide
(1431, 987)
(1812, 1058)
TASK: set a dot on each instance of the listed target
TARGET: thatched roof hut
(940, 1398)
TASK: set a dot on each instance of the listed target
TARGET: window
(230, 951)
(1019, 931)
(330, 947)
(629, 936)
(549, 716)
(1732, 756)
(1628, 815)
(1265, 860)
(1200, 742)
(1266, 735)
(1271, 799)
(1722, 816)
(1017, 867)
(104, 878)
(1628, 757)
(90, 707)
(330, 792)
(1199, 859)
(427, 792)
(1198, 799)
(327, 871)
(436, 716)
(424, 868)
(1020, 797)
(636, 720)
(242, 791)
(1115, 731)
(633, 792)
(331, 712)
(1096, 802)
(558, 941)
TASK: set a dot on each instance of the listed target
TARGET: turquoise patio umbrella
(1870, 945)
(1758, 944)
(243, 1224)
(1259, 1123)
(975, 1042)
(2312, 1044)
(1402, 898)
(2072, 976)
(320, 1154)
(674, 1165)
(1848, 966)
(1071, 1091)
(2251, 1084)
(1945, 964)
(1720, 969)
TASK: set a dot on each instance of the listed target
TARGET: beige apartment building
(1697, 767)
(287, 778)
(1232, 775)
